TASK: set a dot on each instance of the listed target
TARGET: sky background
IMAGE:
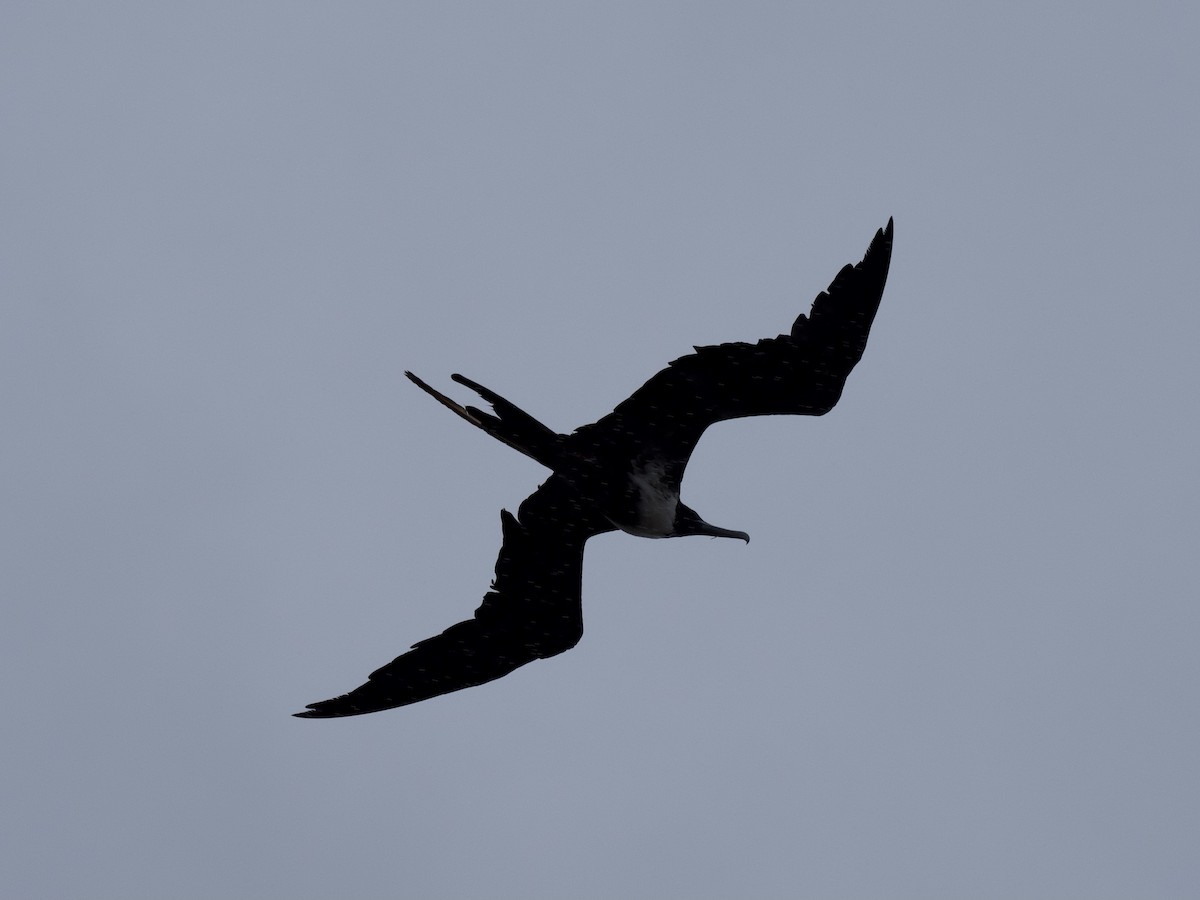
(959, 658)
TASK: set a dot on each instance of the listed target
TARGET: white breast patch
(656, 503)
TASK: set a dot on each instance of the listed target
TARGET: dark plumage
(623, 471)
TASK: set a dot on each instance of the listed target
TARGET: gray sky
(959, 658)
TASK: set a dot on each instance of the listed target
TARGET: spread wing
(533, 611)
(801, 373)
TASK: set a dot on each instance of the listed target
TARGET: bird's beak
(687, 521)
(714, 531)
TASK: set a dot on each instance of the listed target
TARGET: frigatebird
(621, 472)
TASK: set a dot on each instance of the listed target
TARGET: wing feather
(801, 373)
(533, 611)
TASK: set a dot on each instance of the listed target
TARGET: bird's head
(688, 521)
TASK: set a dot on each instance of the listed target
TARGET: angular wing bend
(801, 373)
(533, 611)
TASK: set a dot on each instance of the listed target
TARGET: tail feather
(510, 424)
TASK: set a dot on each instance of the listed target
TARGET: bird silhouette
(621, 472)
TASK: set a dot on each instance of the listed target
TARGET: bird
(622, 472)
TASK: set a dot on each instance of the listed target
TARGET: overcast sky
(959, 658)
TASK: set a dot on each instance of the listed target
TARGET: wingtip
(882, 240)
(314, 711)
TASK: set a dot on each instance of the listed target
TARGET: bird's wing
(533, 611)
(801, 373)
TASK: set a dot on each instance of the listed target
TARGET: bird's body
(654, 502)
(621, 472)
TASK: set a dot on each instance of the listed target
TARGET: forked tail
(510, 424)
